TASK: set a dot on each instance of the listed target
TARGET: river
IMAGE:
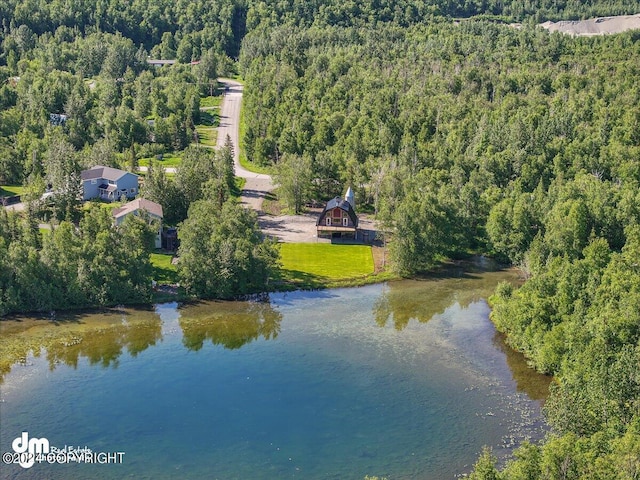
(406, 380)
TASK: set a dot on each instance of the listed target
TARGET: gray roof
(108, 173)
(342, 204)
(139, 204)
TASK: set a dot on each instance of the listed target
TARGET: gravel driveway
(302, 228)
(286, 228)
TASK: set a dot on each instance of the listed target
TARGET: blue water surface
(337, 384)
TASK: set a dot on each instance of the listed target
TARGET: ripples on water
(405, 380)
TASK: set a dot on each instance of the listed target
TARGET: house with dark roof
(107, 183)
(139, 207)
(338, 218)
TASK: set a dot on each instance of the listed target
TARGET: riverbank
(174, 293)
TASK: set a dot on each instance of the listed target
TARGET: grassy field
(211, 102)
(163, 270)
(168, 160)
(209, 120)
(316, 265)
(208, 136)
(11, 190)
(101, 204)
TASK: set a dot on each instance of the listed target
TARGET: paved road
(257, 184)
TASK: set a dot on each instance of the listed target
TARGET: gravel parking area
(302, 228)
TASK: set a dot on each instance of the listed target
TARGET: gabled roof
(342, 204)
(99, 171)
(138, 204)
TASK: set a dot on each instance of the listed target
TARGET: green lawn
(11, 190)
(168, 160)
(211, 102)
(318, 264)
(101, 204)
(163, 270)
(208, 136)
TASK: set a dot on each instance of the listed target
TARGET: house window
(345, 222)
(328, 220)
(93, 181)
(133, 190)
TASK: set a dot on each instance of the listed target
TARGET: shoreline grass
(291, 279)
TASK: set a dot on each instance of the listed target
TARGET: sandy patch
(595, 26)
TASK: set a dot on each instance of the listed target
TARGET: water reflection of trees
(100, 338)
(420, 300)
(230, 324)
(535, 385)
(104, 346)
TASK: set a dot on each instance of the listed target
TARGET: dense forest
(478, 137)
(461, 133)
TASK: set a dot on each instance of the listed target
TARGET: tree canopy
(463, 133)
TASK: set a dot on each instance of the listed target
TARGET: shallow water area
(406, 380)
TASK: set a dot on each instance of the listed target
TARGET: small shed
(170, 239)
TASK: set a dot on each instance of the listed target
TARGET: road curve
(257, 184)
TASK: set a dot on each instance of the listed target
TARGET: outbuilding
(338, 218)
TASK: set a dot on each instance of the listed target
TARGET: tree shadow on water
(422, 298)
(101, 337)
(228, 324)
